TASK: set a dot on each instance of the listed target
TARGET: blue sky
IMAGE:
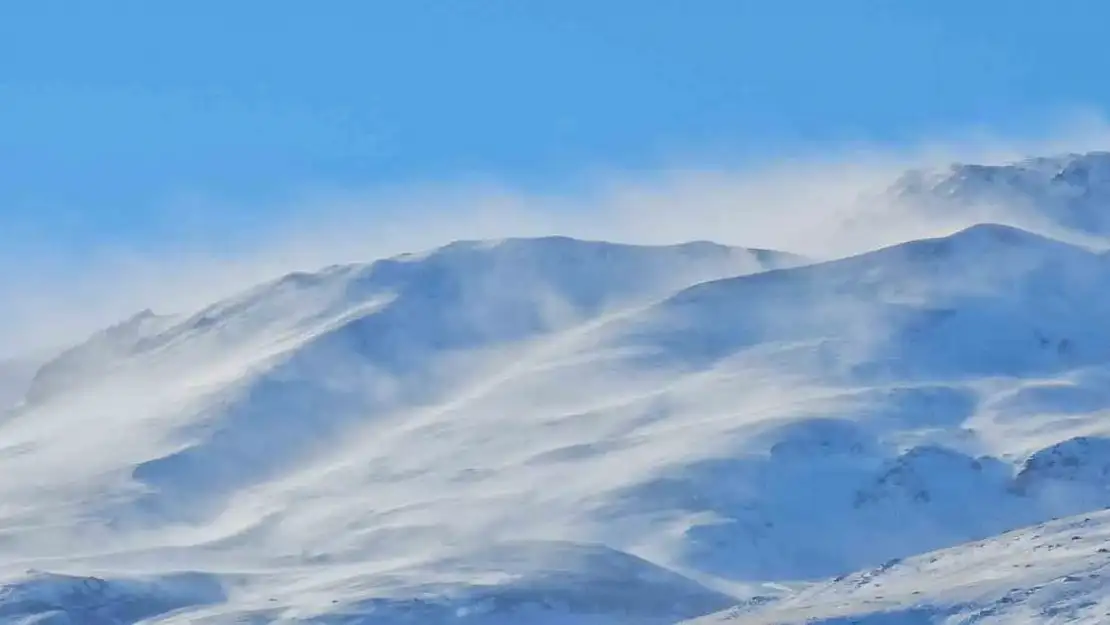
(110, 112)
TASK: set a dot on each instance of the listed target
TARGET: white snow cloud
(797, 204)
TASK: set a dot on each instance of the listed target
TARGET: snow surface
(1051, 573)
(567, 432)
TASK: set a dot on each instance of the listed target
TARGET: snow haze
(822, 204)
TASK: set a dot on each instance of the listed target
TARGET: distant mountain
(1070, 192)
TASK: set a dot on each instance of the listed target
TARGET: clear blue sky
(108, 109)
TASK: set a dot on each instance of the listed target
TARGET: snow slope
(191, 442)
(1050, 573)
(565, 432)
(988, 300)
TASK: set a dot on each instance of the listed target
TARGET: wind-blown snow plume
(828, 203)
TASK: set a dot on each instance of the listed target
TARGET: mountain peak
(1074, 168)
(986, 238)
(1069, 191)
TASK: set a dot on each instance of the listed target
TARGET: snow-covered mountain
(1068, 193)
(565, 432)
